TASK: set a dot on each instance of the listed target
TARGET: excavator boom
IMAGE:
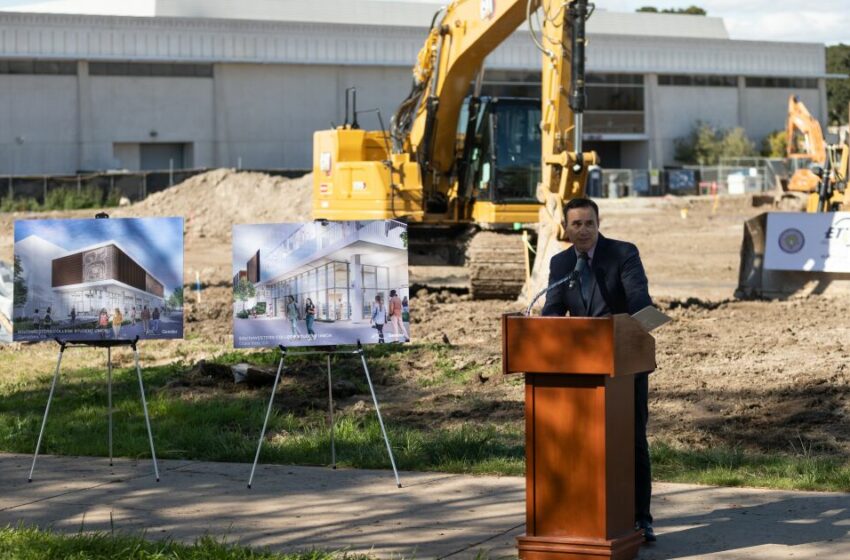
(419, 169)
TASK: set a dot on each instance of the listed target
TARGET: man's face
(582, 228)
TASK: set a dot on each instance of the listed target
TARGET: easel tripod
(108, 344)
(327, 353)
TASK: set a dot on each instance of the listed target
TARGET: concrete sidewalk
(433, 516)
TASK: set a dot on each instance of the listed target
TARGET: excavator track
(496, 263)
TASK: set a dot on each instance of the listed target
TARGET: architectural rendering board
(320, 283)
(99, 279)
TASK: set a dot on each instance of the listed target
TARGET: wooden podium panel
(580, 446)
(615, 345)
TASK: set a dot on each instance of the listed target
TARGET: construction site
(745, 254)
(729, 370)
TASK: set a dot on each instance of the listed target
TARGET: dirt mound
(212, 202)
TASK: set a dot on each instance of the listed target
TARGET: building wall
(676, 109)
(266, 115)
(276, 82)
(767, 108)
(130, 110)
(38, 124)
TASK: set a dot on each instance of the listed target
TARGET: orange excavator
(825, 180)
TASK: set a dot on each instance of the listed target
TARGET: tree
(690, 10)
(735, 143)
(243, 291)
(19, 299)
(838, 90)
(175, 300)
(774, 144)
(706, 145)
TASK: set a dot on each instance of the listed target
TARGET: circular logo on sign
(791, 240)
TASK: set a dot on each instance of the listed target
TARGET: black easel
(327, 353)
(109, 345)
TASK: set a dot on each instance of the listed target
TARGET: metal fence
(134, 186)
(731, 176)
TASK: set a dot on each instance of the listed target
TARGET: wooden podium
(579, 432)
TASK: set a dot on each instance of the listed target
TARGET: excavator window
(516, 129)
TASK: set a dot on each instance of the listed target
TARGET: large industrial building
(219, 83)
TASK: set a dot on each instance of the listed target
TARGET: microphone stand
(571, 278)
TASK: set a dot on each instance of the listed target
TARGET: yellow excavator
(478, 180)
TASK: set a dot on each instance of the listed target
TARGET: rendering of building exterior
(212, 83)
(103, 277)
(340, 266)
(89, 279)
(318, 283)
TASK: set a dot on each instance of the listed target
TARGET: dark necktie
(585, 277)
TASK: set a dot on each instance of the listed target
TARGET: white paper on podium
(650, 318)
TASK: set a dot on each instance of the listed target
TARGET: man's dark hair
(581, 203)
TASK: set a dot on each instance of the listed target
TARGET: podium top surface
(612, 346)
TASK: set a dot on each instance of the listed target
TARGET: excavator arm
(417, 170)
(461, 36)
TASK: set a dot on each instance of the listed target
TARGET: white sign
(808, 242)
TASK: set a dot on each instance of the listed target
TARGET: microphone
(571, 278)
(581, 264)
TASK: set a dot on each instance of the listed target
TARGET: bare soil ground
(759, 375)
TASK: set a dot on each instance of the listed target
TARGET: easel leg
(145, 407)
(331, 413)
(380, 420)
(109, 397)
(46, 411)
(266, 421)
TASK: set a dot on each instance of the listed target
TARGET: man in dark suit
(608, 278)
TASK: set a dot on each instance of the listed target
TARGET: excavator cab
(504, 151)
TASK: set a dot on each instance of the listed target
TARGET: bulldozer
(480, 181)
(822, 186)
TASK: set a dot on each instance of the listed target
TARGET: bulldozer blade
(756, 282)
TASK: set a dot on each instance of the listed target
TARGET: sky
(820, 21)
(248, 238)
(155, 243)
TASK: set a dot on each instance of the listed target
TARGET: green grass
(63, 198)
(224, 426)
(736, 467)
(22, 543)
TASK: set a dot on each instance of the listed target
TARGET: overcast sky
(819, 21)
